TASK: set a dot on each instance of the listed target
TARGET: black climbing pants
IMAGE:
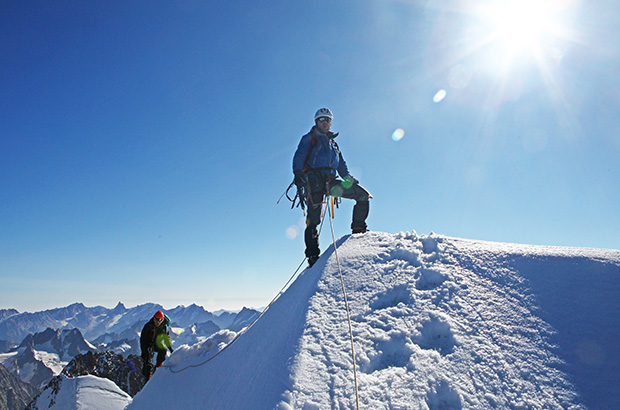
(147, 360)
(318, 187)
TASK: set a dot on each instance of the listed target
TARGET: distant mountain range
(37, 346)
(94, 322)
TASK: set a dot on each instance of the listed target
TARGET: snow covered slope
(81, 393)
(438, 323)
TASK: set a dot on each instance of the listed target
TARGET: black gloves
(300, 182)
(300, 179)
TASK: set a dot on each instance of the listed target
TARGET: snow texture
(438, 323)
(81, 393)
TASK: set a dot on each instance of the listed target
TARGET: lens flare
(347, 182)
(292, 232)
(398, 134)
(440, 95)
(336, 191)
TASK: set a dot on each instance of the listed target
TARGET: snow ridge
(83, 392)
(438, 323)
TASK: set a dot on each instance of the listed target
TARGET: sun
(517, 24)
(491, 52)
(520, 30)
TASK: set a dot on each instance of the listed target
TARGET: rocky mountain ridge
(98, 321)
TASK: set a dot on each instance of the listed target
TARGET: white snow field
(438, 323)
(83, 393)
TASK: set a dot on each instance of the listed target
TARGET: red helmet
(159, 315)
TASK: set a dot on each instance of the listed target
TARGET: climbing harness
(300, 197)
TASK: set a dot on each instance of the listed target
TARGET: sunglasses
(324, 119)
(158, 321)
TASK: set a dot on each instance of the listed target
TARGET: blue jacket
(325, 155)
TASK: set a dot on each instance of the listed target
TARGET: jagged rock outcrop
(108, 365)
(42, 356)
(14, 393)
(64, 343)
(31, 369)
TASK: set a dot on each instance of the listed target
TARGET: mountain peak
(67, 342)
(76, 307)
(5, 313)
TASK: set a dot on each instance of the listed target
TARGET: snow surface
(51, 360)
(438, 323)
(7, 358)
(83, 393)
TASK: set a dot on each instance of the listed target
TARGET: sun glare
(488, 52)
(518, 30)
(518, 25)
(505, 36)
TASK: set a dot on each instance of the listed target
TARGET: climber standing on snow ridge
(316, 164)
(155, 337)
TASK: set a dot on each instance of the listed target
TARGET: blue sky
(145, 144)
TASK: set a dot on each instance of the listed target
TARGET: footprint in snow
(392, 297)
(430, 279)
(443, 397)
(436, 334)
(394, 352)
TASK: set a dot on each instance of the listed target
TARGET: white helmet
(323, 112)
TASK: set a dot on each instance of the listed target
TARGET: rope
(255, 320)
(244, 330)
(346, 304)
